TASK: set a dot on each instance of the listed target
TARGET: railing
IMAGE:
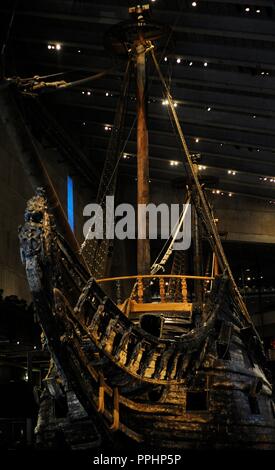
(143, 282)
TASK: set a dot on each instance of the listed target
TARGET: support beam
(143, 245)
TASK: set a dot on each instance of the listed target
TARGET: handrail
(154, 276)
(140, 285)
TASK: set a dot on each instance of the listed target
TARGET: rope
(209, 223)
(6, 40)
(157, 266)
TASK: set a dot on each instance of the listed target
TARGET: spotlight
(205, 64)
(49, 46)
(208, 109)
(190, 64)
(194, 4)
(247, 9)
(178, 60)
(165, 59)
(58, 47)
(197, 140)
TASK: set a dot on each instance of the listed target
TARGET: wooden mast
(143, 244)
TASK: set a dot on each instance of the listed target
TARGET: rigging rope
(206, 215)
(103, 196)
(157, 266)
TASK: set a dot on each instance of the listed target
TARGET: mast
(132, 39)
(143, 245)
(197, 256)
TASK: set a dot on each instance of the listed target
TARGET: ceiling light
(173, 163)
(254, 116)
(194, 4)
(83, 92)
(258, 11)
(49, 46)
(83, 123)
(218, 191)
(18, 342)
(88, 93)
(58, 47)
(247, 9)
(230, 194)
(208, 109)
(106, 94)
(178, 60)
(205, 64)
(262, 73)
(175, 105)
(165, 102)
(229, 172)
(79, 51)
(190, 64)
(165, 59)
(197, 140)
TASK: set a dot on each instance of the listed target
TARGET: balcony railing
(163, 286)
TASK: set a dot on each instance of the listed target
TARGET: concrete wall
(245, 219)
(15, 190)
(242, 218)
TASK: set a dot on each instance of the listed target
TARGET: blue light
(70, 202)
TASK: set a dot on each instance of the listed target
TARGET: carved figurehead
(36, 238)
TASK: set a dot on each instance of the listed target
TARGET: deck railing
(160, 281)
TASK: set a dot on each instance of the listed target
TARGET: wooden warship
(181, 372)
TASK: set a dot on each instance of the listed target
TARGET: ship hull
(207, 389)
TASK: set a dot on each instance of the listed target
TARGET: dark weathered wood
(149, 383)
(143, 245)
